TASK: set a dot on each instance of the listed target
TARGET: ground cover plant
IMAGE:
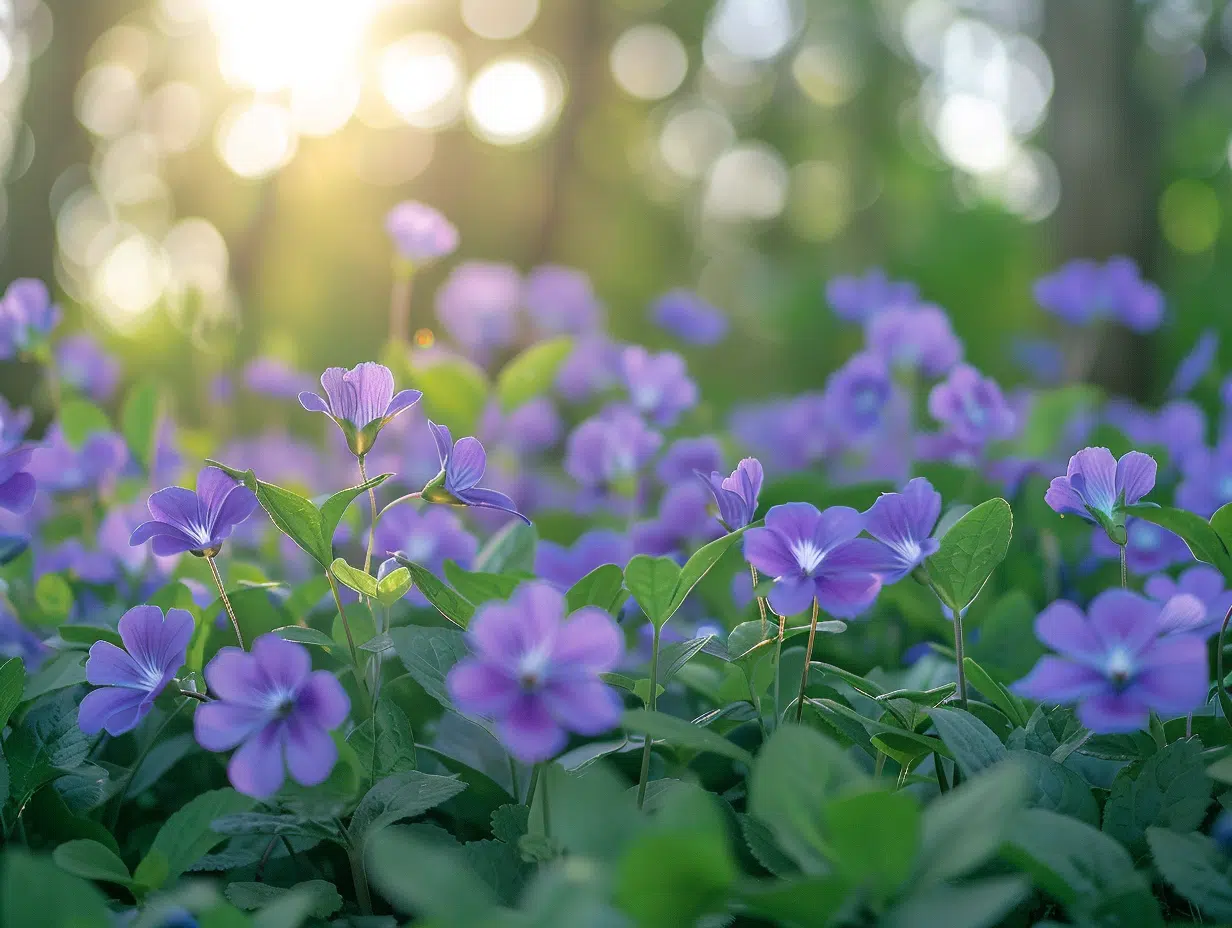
(528, 638)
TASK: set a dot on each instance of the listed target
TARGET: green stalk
(652, 705)
(808, 657)
(226, 602)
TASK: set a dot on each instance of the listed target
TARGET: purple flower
(609, 449)
(272, 377)
(278, 710)
(17, 485)
(477, 304)
(686, 456)
(1148, 548)
(658, 384)
(535, 672)
(972, 407)
(129, 679)
(420, 233)
(857, 299)
(903, 523)
(564, 566)
(810, 556)
(561, 300)
(857, 395)
(786, 434)
(27, 316)
(197, 522)
(1041, 358)
(687, 316)
(462, 467)
(533, 427)
(1114, 663)
(60, 468)
(362, 401)
(1195, 365)
(1201, 582)
(1206, 478)
(592, 367)
(684, 514)
(1097, 487)
(429, 537)
(81, 363)
(736, 495)
(915, 338)
(1084, 291)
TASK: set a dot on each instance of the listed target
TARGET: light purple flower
(659, 385)
(429, 537)
(690, 318)
(1206, 478)
(1042, 358)
(564, 566)
(535, 671)
(81, 363)
(17, 484)
(736, 495)
(857, 299)
(610, 449)
(903, 525)
(561, 300)
(273, 377)
(686, 456)
(362, 401)
(1148, 547)
(1083, 291)
(197, 522)
(858, 394)
(1202, 582)
(478, 306)
(58, 467)
(420, 233)
(1097, 486)
(592, 367)
(533, 427)
(462, 467)
(1115, 664)
(27, 316)
(277, 709)
(785, 434)
(129, 679)
(809, 555)
(916, 338)
(1195, 365)
(972, 407)
(684, 515)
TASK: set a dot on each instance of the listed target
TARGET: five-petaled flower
(1119, 661)
(462, 467)
(535, 671)
(277, 709)
(903, 524)
(129, 679)
(362, 401)
(736, 495)
(195, 522)
(1097, 487)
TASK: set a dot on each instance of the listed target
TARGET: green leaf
(46, 743)
(532, 372)
(91, 861)
(397, 797)
(262, 823)
(54, 598)
(433, 881)
(360, 581)
(446, 601)
(874, 838)
(970, 551)
(186, 836)
(455, 393)
(1221, 522)
(88, 634)
(1011, 706)
(675, 656)
(34, 891)
(64, 670)
(678, 732)
(428, 654)
(1051, 786)
(1169, 789)
(79, 419)
(899, 738)
(139, 421)
(250, 897)
(602, 587)
(761, 844)
(974, 745)
(304, 635)
(333, 509)
(1203, 540)
(385, 743)
(393, 586)
(807, 901)
(980, 904)
(652, 581)
(12, 681)
(1051, 411)
(510, 550)
(698, 565)
(1195, 868)
(478, 588)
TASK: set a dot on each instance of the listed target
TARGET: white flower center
(533, 667)
(807, 555)
(1120, 665)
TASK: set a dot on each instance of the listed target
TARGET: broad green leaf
(433, 881)
(532, 372)
(88, 634)
(899, 736)
(1169, 789)
(1051, 411)
(761, 844)
(360, 581)
(1011, 706)
(333, 509)
(34, 891)
(428, 654)
(384, 743)
(445, 600)
(1203, 540)
(478, 588)
(393, 586)
(79, 419)
(304, 635)
(455, 393)
(602, 587)
(54, 598)
(679, 733)
(1051, 786)
(973, 743)
(675, 656)
(12, 681)
(263, 823)
(1221, 522)
(397, 797)
(874, 838)
(91, 861)
(186, 836)
(250, 897)
(1195, 868)
(979, 904)
(652, 581)
(48, 742)
(139, 421)
(970, 551)
(510, 550)
(750, 641)
(699, 564)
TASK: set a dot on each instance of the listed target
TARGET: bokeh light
(748, 182)
(1189, 216)
(649, 62)
(512, 100)
(499, 19)
(129, 281)
(421, 78)
(255, 139)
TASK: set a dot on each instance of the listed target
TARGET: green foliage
(1169, 789)
(455, 392)
(532, 373)
(970, 551)
(602, 587)
(1203, 540)
(187, 836)
(139, 421)
(427, 654)
(447, 602)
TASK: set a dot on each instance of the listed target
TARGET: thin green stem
(1124, 572)
(959, 658)
(409, 497)
(808, 656)
(359, 876)
(778, 677)
(534, 784)
(346, 627)
(226, 601)
(652, 705)
(543, 805)
(513, 779)
(363, 478)
(761, 603)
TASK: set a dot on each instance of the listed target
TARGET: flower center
(533, 668)
(807, 555)
(1120, 665)
(866, 401)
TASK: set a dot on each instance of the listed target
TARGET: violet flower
(564, 566)
(277, 709)
(561, 300)
(915, 339)
(429, 537)
(81, 363)
(1097, 487)
(1148, 547)
(857, 299)
(361, 401)
(686, 456)
(195, 522)
(1202, 582)
(809, 555)
(420, 233)
(687, 316)
(1084, 291)
(736, 495)
(609, 449)
(129, 679)
(17, 484)
(659, 385)
(903, 524)
(535, 671)
(462, 467)
(27, 316)
(1114, 663)
(1195, 365)
(591, 368)
(858, 394)
(272, 377)
(1206, 478)
(972, 407)
(478, 306)
(58, 467)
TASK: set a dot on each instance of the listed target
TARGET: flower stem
(122, 792)
(778, 677)
(543, 803)
(400, 499)
(400, 303)
(761, 603)
(959, 659)
(226, 601)
(359, 876)
(1124, 573)
(363, 478)
(808, 656)
(346, 627)
(652, 705)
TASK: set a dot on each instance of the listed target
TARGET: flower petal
(310, 751)
(234, 675)
(323, 700)
(256, 769)
(588, 707)
(845, 596)
(529, 732)
(402, 401)
(767, 550)
(1057, 680)
(313, 403)
(237, 506)
(1063, 627)
(590, 640)
(111, 708)
(285, 664)
(490, 499)
(792, 595)
(1110, 713)
(1173, 675)
(156, 646)
(373, 385)
(477, 687)
(177, 507)
(1125, 619)
(466, 464)
(1135, 476)
(1092, 472)
(443, 439)
(1182, 613)
(220, 726)
(109, 665)
(1066, 500)
(17, 493)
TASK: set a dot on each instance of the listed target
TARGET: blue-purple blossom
(462, 467)
(129, 679)
(903, 524)
(82, 364)
(197, 522)
(535, 671)
(429, 537)
(686, 456)
(858, 394)
(659, 384)
(272, 377)
(17, 484)
(684, 515)
(1084, 291)
(809, 555)
(279, 712)
(972, 407)
(915, 338)
(478, 306)
(532, 428)
(737, 494)
(1042, 358)
(59, 467)
(1115, 663)
(27, 316)
(591, 368)
(1206, 478)
(1195, 365)
(1178, 426)
(561, 300)
(361, 401)
(610, 449)
(858, 299)
(687, 316)
(1202, 582)
(785, 434)
(1148, 547)
(564, 566)
(1097, 487)
(420, 233)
